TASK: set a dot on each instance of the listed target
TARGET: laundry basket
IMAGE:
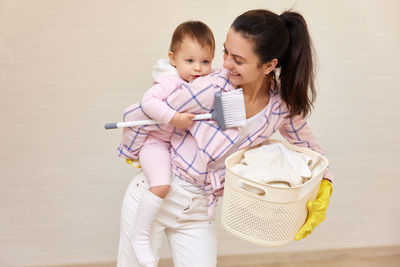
(268, 216)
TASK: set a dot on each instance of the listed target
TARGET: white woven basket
(272, 217)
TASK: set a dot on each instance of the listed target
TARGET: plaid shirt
(194, 150)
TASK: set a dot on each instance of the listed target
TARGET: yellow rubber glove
(316, 210)
(134, 162)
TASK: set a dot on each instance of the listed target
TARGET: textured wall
(67, 67)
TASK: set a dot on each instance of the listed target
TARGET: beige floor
(393, 261)
(354, 257)
(387, 261)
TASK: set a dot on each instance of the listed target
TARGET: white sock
(147, 211)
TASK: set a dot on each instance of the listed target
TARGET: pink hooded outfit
(151, 144)
(194, 151)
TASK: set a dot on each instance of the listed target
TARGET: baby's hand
(182, 120)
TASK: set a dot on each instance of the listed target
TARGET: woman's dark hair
(285, 38)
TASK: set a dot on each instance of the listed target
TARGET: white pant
(183, 217)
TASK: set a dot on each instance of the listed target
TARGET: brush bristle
(233, 108)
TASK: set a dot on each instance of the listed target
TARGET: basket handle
(252, 188)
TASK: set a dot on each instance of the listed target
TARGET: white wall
(67, 67)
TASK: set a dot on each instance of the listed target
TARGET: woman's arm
(298, 132)
(196, 97)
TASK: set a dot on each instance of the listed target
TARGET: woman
(257, 43)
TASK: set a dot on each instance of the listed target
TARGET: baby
(190, 56)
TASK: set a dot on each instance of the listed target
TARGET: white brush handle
(136, 123)
(149, 122)
(206, 116)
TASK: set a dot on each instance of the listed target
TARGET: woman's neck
(257, 90)
(256, 96)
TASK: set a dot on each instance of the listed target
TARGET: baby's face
(192, 60)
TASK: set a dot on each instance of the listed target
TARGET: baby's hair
(196, 30)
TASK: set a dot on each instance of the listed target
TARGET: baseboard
(268, 258)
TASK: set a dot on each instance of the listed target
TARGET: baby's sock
(147, 211)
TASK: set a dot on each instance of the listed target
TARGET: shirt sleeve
(297, 131)
(196, 97)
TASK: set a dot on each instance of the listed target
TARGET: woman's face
(241, 61)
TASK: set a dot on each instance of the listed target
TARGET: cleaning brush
(229, 111)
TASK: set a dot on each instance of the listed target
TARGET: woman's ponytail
(297, 69)
(285, 38)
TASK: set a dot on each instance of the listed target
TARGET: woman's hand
(182, 120)
(316, 210)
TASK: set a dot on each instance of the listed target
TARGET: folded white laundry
(274, 164)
